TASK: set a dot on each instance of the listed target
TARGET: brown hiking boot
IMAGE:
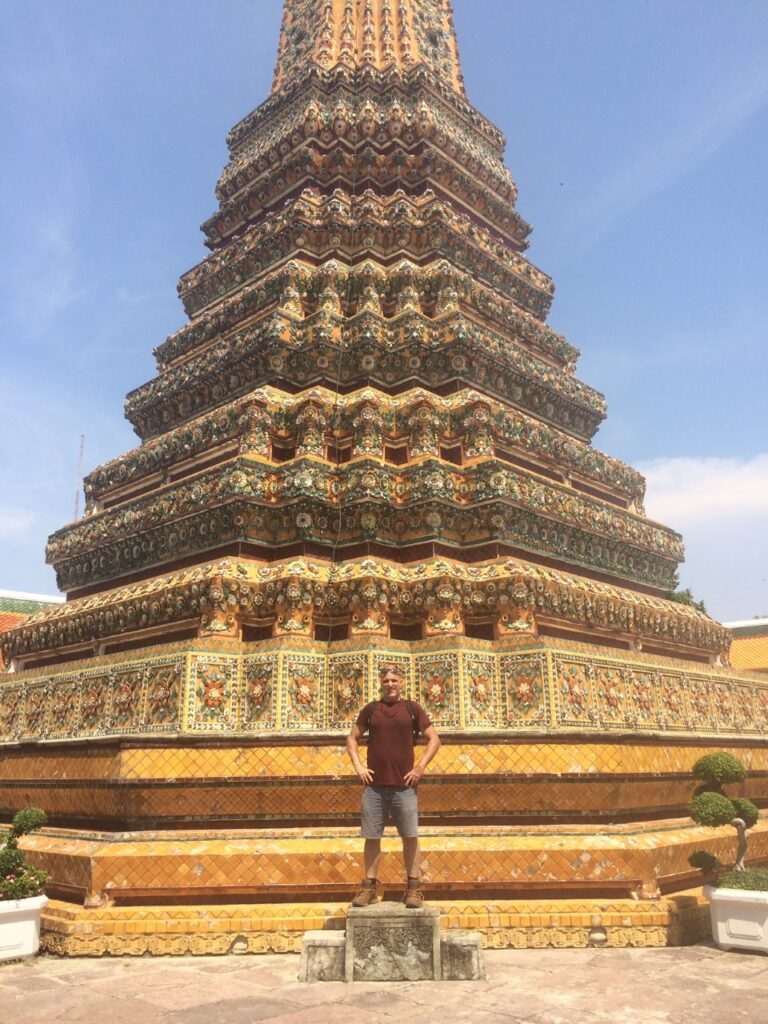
(414, 897)
(367, 894)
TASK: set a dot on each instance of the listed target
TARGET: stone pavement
(684, 985)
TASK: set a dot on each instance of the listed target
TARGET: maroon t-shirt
(390, 740)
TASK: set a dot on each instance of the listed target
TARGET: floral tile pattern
(304, 693)
(480, 690)
(258, 699)
(212, 693)
(526, 691)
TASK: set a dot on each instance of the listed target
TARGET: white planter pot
(739, 918)
(20, 926)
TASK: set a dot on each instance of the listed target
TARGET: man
(390, 780)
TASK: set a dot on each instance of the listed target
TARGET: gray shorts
(380, 803)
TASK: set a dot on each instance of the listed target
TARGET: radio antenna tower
(79, 476)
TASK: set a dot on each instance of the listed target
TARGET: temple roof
(749, 649)
(378, 33)
(16, 604)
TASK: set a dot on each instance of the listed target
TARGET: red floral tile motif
(347, 690)
(305, 704)
(642, 697)
(65, 700)
(480, 692)
(524, 691)
(673, 713)
(480, 688)
(126, 699)
(744, 707)
(761, 706)
(93, 704)
(722, 703)
(612, 694)
(212, 693)
(11, 706)
(258, 689)
(436, 690)
(163, 686)
(699, 704)
(303, 692)
(575, 694)
(35, 707)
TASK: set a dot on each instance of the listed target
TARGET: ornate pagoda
(366, 445)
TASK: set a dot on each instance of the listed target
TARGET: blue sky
(637, 136)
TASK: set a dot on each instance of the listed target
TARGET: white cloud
(721, 508)
(697, 490)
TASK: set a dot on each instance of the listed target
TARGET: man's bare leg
(412, 857)
(372, 857)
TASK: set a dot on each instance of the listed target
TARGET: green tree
(684, 596)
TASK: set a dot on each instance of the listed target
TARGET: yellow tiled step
(672, 920)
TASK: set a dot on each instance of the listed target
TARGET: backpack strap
(368, 713)
(414, 719)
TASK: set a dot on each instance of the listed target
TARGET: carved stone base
(461, 955)
(322, 956)
(389, 942)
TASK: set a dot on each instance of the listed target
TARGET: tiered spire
(378, 33)
(367, 379)
(365, 446)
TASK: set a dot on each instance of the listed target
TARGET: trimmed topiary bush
(712, 807)
(753, 879)
(18, 879)
(719, 768)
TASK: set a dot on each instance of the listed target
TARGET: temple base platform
(259, 891)
(183, 930)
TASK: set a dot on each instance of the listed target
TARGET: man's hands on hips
(365, 775)
(413, 777)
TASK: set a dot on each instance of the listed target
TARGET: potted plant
(21, 890)
(738, 896)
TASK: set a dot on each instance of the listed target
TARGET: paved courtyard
(690, 985)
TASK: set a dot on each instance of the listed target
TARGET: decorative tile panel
(64, 709)
(437, 685)
(525, 691)
(304, 692)
(576, 704)
(95, 710)
(673, 710)
(127, 700)
(643, 703)
(11, 711)
(212, 694)
(35, 711)
(723, 705)
(348, 684)
(699, 698)
(258, 698)
(745, 707)
(612, 690)
(163, 696)
(480, 690)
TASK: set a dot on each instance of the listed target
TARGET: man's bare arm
(433, 745)
(364, 774)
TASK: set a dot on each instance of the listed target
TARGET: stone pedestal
(322, 956)
(461, 955)
(388, 942)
